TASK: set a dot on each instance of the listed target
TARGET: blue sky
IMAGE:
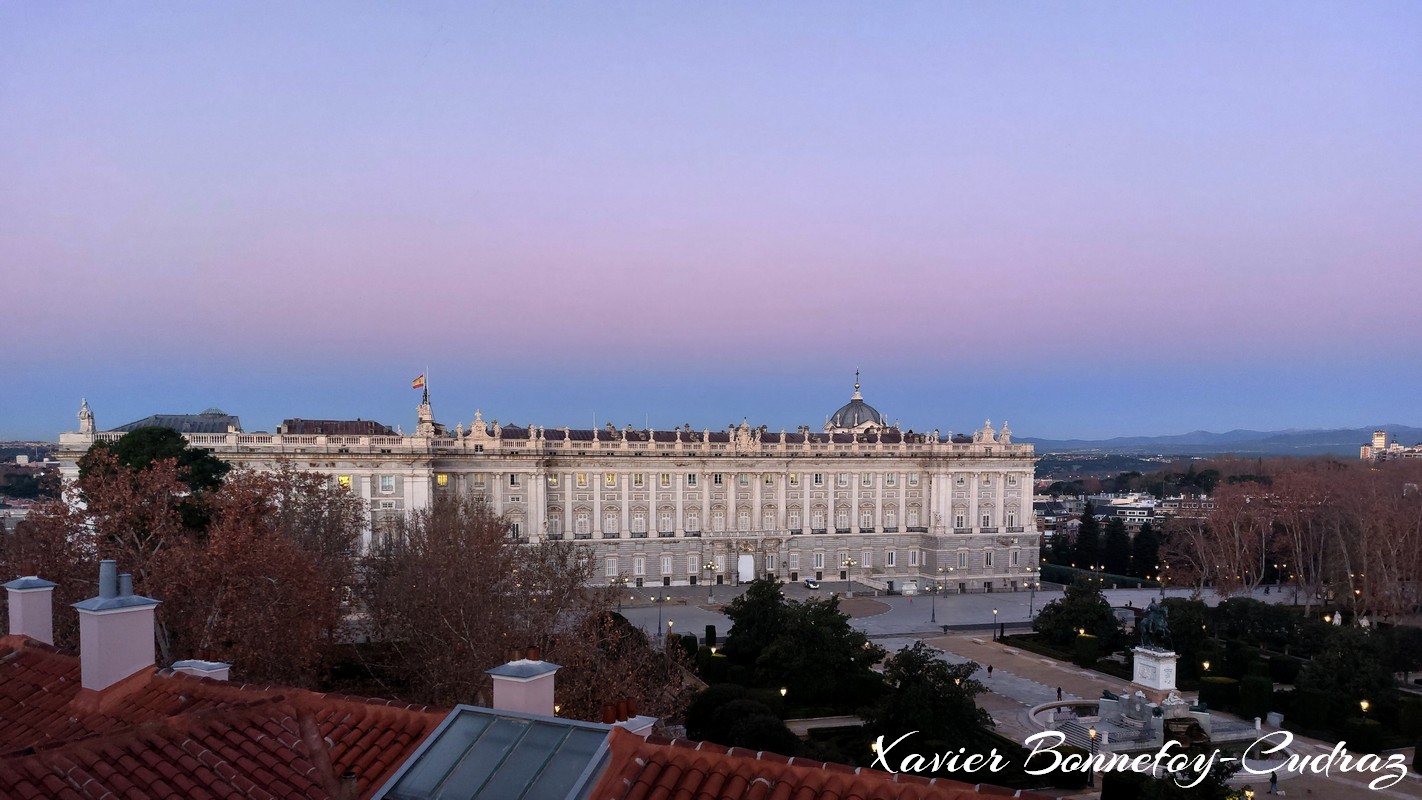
(1088, 219)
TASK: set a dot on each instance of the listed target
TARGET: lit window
(664, 480)
(582, 480)
(609, 480)
(552, 480)
(344, 481)
(794, 479)
(441, 479)
(866, 479)
(639, 480)
(892, 479)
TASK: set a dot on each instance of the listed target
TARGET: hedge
(1219, 693)
(1285, 669)
(1256, 695)
(1085, 649)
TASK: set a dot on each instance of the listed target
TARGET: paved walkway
(1021, 680)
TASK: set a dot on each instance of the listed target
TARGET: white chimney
(217, 670)
(31, 602)
(115, 631)
(524, 686)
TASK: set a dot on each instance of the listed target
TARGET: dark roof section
(484, 754)
(213, 420)
(614, 435)
(334, 427)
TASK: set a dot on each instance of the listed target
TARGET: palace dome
(856, 413)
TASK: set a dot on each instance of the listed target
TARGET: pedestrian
(1273, 782)
(1059, 694)
(989, 670)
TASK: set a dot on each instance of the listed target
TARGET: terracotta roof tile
(657, 769)
(166, 735)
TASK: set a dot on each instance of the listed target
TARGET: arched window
(582, 522)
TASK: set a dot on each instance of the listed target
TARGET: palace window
(767, 520)
(582, 522)
(441, 479)
(666, 565)
(912, 519)
(768, 479)
(819, 479)
(1016, 558)
(913, 558)
(387, 484)
(892, 479)
(515, 479)
(609, 521)
(962, 559)
(744, 478)
(891, 519)
(639, 481)
(743, 520)
(770, 562)
(960, 521)
(819, 560)
(987, 520)
(718, 520)
(344, 481)
(794, 523)
(795, 562)
(693, 520)
(691, 479)
(841, 518)
(866, 479)
(913, 479)
(639, 565)
(987, 558)
(639, 521)
(842, 480)
(794, 479)
(959, 480)
(610, 567)
(664, 521)
(553, 480)
(717, 479)
(664, 480)
(866, 559)
(609, 480)
(866, 518)
(987, 479)
(890, 559)
(582, 480)
(1012, 480)
(693, 565)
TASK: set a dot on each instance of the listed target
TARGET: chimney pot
(631, 708)
(108, 579)
(622, 711)
(534, 654)
(609, 713)
(125, 585)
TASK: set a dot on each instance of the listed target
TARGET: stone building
(863, 500)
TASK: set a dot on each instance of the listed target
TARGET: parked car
(811, 583)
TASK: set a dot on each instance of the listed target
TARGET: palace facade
(860, 500)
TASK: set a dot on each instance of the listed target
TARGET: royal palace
(861, 500)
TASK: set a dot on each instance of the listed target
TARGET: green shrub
(689, 646)
(1123, 785)
(1416, 751)
(1363, 735)
(1409, 717)
(710, 635)
(1256, 695)
(1219, 693)
(1085, 650)
(712, 667)
(1308, 708)
(1285, 669)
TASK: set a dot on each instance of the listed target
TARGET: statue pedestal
(1155, 671)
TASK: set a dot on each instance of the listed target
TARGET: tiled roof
(640, 769)
(169, 735)
(210, 421)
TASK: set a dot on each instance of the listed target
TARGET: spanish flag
(418, 383)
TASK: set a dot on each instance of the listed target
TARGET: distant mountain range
(1292, 442)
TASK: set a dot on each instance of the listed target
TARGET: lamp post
(1032, 582)
(621, 582)
(849, 564)
(994, 624)
(1091, 768)
(1365, 705)
(710, 567)
(659, 600)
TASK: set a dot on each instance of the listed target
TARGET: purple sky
(1090, 219)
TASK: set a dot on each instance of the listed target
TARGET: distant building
(890, 508)
(1383, 450)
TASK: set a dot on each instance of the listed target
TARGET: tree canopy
(931, 696)
(1082, 607)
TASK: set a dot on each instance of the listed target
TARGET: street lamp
(1365, 705)
(710, 567)
(1032, 584)
(1249, 793)
(849, 564)
(994, 624)
(1206, 665)
(621, 581)
(659, 601)
(1091, 768)
(783, 690)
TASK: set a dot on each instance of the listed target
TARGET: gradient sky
(1090, 219)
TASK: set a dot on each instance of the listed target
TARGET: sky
(1088, 219)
